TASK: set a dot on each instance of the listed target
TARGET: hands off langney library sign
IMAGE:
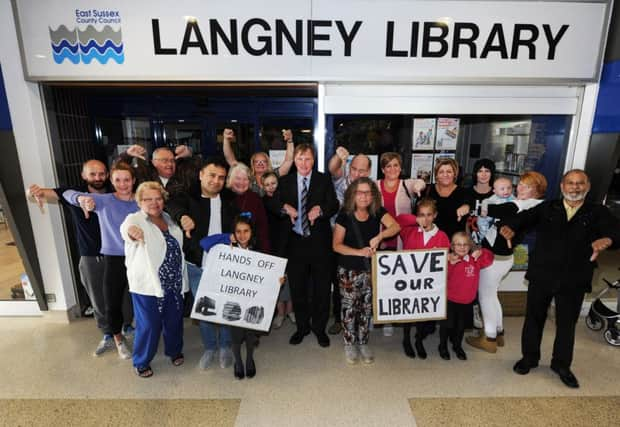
(318, 40)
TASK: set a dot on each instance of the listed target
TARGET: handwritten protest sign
(409, 286)
(238, 287)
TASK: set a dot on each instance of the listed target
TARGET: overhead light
(181, 120)
(306, 131)
(234, 121)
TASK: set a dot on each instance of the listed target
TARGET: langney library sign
(318, 40)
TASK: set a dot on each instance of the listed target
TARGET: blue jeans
(208, 330)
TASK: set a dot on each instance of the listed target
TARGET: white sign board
(409, 286)
(239, 288)
(312, 40)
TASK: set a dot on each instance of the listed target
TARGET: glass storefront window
(182, 132)
(14, 284)
(116, 135)
(272, 127)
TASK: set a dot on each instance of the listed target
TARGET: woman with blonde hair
(157, 277)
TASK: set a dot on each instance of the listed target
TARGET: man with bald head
(88, 237)
(570, 234)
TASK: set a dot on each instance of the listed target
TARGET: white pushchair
(600, 316)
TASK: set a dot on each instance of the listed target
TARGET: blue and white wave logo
(83, 46)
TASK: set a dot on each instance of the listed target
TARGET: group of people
(153, 243)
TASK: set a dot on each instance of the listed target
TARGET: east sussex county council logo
(84, 45)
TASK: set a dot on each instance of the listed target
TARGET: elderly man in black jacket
(570, 233)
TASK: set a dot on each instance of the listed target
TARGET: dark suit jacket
(321, 192)
(560, 260)
(199, 210)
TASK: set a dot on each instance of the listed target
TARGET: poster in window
(423, 134)
(422, 166)
(447, 133)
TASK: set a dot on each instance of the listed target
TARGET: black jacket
(320, 192)
(560, 259)
(199, 210)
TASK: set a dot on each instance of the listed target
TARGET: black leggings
(238, 335)
(114, 287)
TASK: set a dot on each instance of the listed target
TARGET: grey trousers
(91, 275)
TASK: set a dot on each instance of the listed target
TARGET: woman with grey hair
(239, 178)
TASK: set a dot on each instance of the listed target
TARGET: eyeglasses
(363, 193)
(165, 160)
(260, 162)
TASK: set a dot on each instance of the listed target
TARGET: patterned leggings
(356, 295)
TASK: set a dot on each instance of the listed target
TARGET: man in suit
(570, 233)
(309, 200)
(200, 214)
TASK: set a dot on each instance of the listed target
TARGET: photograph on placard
(447, 133)
(423, 134)
(422, 166)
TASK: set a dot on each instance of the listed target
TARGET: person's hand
(287, 135)
(599, 246)
(87, 204)
(136, 233)
(507, 233)
(229, 135)
(476, 254)
(366, 252)
(453, 258)
(282, 280)
(314, 213)
(233, 240)
(290, 211)
(461, 212)
(375, 242)
(182, 151)
(342, 153)
(137, 151)
(418, 186)
(38, 194)
(188, 225)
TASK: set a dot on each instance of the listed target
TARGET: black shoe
(298, 337)
(408, 349)
(443, 352)
(420, 349)
(522, 367)
(460, 353)
(567, 377)
(322, 338)
(250, 368)
(239, 372)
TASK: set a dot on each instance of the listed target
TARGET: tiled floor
(296, 385)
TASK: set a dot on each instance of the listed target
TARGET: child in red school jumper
(464, 265)
(244, 236)
(420, 232)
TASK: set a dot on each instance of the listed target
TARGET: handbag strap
(413, 200)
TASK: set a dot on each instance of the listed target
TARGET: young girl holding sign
(420, 232)
(244, 237)
(464, 265)
(357, 234)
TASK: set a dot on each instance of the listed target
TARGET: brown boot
(483, 343)
(500, 339)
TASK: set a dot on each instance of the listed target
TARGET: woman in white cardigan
(157, 278)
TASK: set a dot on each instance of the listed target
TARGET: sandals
(178, 360)
(145, 372)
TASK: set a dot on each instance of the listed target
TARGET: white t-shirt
(215, 221)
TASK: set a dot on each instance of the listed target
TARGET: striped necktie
(305, 224)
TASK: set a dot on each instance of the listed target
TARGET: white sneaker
(225, 357)
(106, 343)
(291, 317)
(367, 355)
(388, 330)
(123, 351)
(350, 353)
(207, 359)
(277, 322)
